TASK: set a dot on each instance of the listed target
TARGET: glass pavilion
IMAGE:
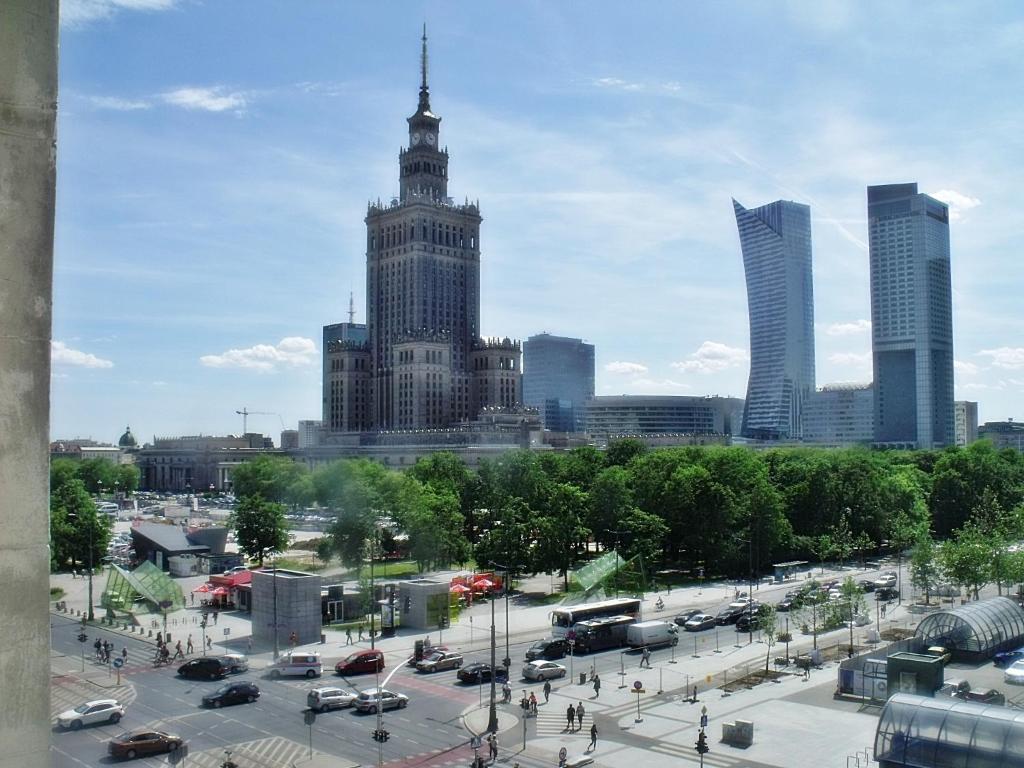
(975, 631)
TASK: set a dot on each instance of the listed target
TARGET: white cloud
(958, 203)
(964, 368)
(214, 99)
(62, 354)
(850, 358)
(1005, 357)
(291, 352)
(848, 329)
(620, 366)
(118, 104)
(75, 12)
(712, 356)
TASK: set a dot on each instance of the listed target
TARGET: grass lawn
(56, 593)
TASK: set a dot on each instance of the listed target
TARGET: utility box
(422, 602)
(914, 673)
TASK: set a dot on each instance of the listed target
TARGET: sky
(216, 157)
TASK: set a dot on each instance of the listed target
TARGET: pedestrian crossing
(68, 692)
(552, 721)
(273, 752)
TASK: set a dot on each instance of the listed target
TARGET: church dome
(127, 439)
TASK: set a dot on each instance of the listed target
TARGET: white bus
(562, 619)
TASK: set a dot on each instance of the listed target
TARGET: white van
(651, 633)
(297, 664)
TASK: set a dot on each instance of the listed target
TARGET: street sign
(309, 717)
(476, 742)
(227, 631)
(562, 754)
(703, 721)
(570, 635)
(165, 604)
(639, 690)
(638, 686)
(119, 663)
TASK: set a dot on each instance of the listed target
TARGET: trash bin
(323, 638)
(583, 678)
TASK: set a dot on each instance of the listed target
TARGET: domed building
(127, 439)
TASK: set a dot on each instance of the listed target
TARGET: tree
(271, 478)
(862, 543)
(769, 630)
(924, 565)
(560, 531)
(75, 525)
(260, 527)
(509, 537)
(967, 559)
(609, 499)
(621, 452)
(904, 530)
(645, 536)
(842, 537)
(853, 599)
(435, 530)
(821, 547)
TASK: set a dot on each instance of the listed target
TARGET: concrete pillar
(28, 110)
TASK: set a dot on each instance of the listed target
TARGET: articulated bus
(562, 619)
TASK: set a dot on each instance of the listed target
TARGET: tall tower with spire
(423, 293)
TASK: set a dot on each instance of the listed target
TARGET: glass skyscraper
(911, 317)
(558, 379)
(776, 244)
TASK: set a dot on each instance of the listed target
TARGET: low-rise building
(965, 421)
(609, 417)
(839, 414)
(1003, 434)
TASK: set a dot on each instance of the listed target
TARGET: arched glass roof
(985, 627)
(946, 732)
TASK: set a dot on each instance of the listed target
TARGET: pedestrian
(547, 690)
(506, 693)
(883, 610)
(107, 648)
(193, 596)
(579, 714)
(74, 574)
(360, 633)
(348, 635)
(570, 716)
(124, 654)
(492, 748)
(189, 648)
(248, 645)
(533, 703)
(597, 686)
(293, 638)
(645, 657)
(215, 614)
(593, 736)
(178, 653)
(159, 637)
(209, 643)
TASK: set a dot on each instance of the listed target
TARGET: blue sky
(215, 159)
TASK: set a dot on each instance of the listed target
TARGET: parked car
(700, 622)
(132, 744)
(479, 672)
(887, 593)
(297, 664)
(543, 670)
(236, 662)
(953, 686)
(983, 696)
(867, 585)
(361, 662)
(369, 701)
(1014, 673)
(205, 668)
(789, 604)
(939, 651)
(1006, 658)
(685, 616)
(440, 661)
(232, 693)
(551, 648)
(90, 713)
(329, 697)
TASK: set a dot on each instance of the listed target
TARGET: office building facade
(965, 422)
(558, 379)
(911, 317)
(614, 416)
(775, 240)
(840, 414)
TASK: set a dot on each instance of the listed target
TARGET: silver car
(543, 670)
(369, 701)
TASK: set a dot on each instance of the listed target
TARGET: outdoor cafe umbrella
(460, 588)
(202, 588)
(483, 584)
(221, 592)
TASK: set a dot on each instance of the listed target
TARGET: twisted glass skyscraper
(776, 244)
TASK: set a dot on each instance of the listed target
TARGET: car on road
(132, 744)
(748, 622)
(232, 693)
(551, 648)
(329, 697)
(297, 664)
(1014, 673)
(236, 662)
(440, 661)
(205, 668)
(699, 622)
(789, 604)
(543, 670)
(866, 585)
(729, 615)
(428, 651)
(886, 580)
(370, 701)
(887, 593)
(361, 662)
(1006, 658)
(90, 713)
(479, 672)
(685, 616)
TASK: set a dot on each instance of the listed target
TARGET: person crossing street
(593, 737)
(579, 714)
(570, 716)
(597, 685)
(547, 690)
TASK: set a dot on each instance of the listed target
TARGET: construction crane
(245, 413)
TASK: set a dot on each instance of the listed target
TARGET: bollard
(151, 633)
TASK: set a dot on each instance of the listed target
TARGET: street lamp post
(89, 612)
(617, 534)
(273, 578)
(492, 715)
(505, 568)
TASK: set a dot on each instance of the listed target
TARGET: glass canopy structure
(975, 631)
(945, 732)
(147, 589)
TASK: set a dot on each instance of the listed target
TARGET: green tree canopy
(260, 527)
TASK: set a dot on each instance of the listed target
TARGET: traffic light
(408, 604)
(702, 744)
(82, 637)
(442, 621)
(381, 735)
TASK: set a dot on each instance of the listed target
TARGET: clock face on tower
(430, 139)
(415, 138)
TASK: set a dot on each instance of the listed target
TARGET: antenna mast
(351, 308)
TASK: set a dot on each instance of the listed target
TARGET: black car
(866, 585)
(205, 668)
(729, 615)
(887, 593)
(789, 604)
(748, 622)
(552, 648)
(232, 693)
(478, 672)
(685, 616)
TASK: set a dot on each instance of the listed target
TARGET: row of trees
(728, 509)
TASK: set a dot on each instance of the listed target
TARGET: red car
(360, 662)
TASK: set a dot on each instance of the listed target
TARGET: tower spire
(424, 105)
(351, 308)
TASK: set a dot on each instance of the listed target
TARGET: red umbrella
(221, 592)
(460, 588)
(202, 588)
(483, 584)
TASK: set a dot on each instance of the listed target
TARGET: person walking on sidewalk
(593, 737)
(178, 653)
(547, 690)
(360, 633)
(579, 714)
(645, 657)
(533, 703)
(597, 685)
(570, 716)
(189, 648)
(348, 635)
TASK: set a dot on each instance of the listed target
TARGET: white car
(1014, 673)
(237, 661)
(90, 713)
(543, 670)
